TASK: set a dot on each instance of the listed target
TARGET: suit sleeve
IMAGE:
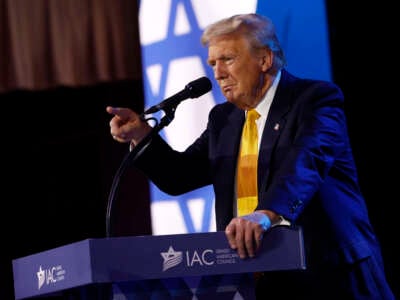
(176, 172)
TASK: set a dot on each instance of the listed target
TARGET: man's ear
(266, 59)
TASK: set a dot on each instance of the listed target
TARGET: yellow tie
(247, 166)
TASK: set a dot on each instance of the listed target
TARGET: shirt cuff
(281, 221)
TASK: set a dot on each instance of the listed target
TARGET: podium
(180, 266)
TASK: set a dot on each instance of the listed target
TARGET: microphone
(193, 89)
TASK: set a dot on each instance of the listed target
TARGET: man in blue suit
(306, 171)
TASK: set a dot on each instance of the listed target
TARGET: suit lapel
(275, 123)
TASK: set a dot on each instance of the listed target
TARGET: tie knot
(252, 115)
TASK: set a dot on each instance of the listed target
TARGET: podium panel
(199, 263)
(225, 286)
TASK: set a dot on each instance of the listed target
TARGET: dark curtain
(47, 43)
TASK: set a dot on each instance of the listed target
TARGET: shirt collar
(263, 107)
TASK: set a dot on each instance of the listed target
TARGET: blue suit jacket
(306, 170)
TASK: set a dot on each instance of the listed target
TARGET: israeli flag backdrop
(173, 56)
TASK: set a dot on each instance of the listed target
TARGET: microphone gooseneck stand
(130, 158)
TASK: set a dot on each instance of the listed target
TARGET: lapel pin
(276, 126)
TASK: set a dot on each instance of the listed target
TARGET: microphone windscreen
(198, 87)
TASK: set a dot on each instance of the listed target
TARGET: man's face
(239, 70)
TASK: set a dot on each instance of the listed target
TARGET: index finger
(230, 232)
(121, 112)
(235, 232)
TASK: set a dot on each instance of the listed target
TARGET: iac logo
(50, 275)
(173, 258)
(41, 277)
